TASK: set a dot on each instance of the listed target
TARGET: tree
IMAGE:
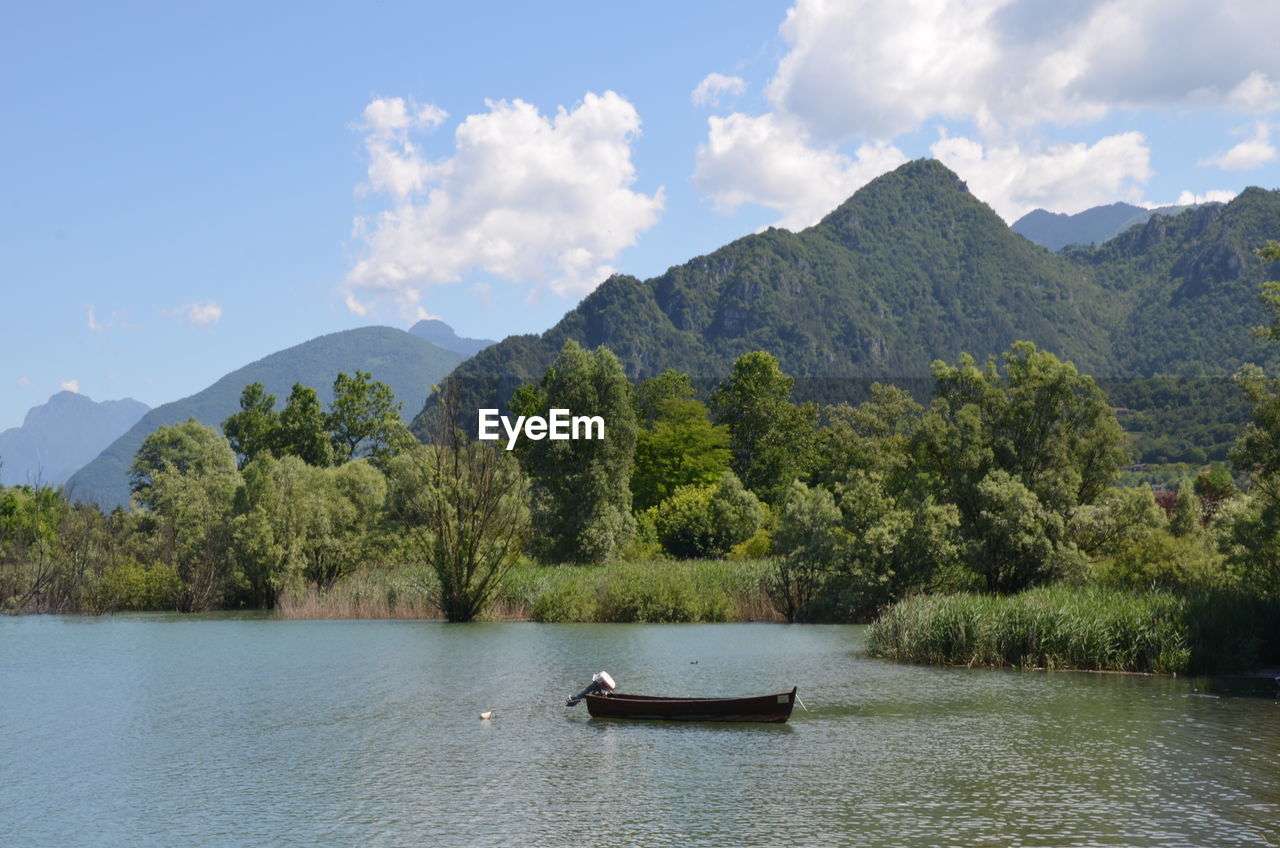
(1017, 454)
(185, 476)
(186, 449)
(676, 445)
(302, 428)
(465, 507)
(706, 521)
(254, 429)
(581, 488)
(770, 438)
(1252, 540)
(811, 540)
(364, 419)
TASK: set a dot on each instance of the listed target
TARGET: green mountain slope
(410, 365)
(1187, 287)
(61, 435)
(909, 269)
(913, 268)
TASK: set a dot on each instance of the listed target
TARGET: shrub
(706, 521)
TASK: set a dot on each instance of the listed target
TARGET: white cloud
(1256, 93)
(864, 72)
(769, 160)
(709, 90)
(1065, 178)
(72, 385)
(204, 313)
(395, 163)
(527, 198)
(1216, 195)
(23, 382)
(1253, 152)
(93, 321)
(871, 69)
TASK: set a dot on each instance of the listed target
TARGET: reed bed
(369, 593)
(1088, 628)
(1055, 627)
(647, 590)
(636, 591)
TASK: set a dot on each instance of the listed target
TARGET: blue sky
(188, 187)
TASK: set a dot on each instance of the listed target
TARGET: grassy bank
(1095, 628)
(641, 591)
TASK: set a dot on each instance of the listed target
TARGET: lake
(240, 730)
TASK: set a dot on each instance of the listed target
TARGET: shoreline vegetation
(987, 528)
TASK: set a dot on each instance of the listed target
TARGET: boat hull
(763, 708)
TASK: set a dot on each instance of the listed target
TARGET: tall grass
(368, 593)
(1097, 628)
(648, 590)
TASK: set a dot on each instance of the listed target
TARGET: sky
(187, 187)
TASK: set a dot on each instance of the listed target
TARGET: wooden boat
(770, 708)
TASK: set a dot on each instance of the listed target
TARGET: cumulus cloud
(1253, 152)
(1067, 178)
(866, 72)
(709, 90)
(770, 161)
(93, 321)
(525, 197)
(204, 313)
(72, 385)
(869, 69)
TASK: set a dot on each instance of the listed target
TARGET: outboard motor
(601, 684)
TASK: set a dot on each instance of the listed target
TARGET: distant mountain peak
(62, 434)
(439, 333)
(1055, 230)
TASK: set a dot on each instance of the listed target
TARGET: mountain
(913, 268)
(1055, 230)
(442, 335)
(1187, 287)
(61, 435)
(410, 365)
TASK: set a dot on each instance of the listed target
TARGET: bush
(133, 586)
(706, 521)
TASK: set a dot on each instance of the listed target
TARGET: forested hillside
(914, 268)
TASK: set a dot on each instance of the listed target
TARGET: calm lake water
(162, 730)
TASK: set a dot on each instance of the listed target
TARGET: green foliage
(1250, 541)
(255, 428)
(1018, 454)
(811, 539)
(676, 444)
(296, 523)
(133, 586)
(581, 488)
(770, 438)
(189, 449)
(465, 506)
(706, 521)
(1163, 560)
(401, 360)
(364, 419)
(1048, 627)
(302, 430)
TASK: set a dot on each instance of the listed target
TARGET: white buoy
(487, 716)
